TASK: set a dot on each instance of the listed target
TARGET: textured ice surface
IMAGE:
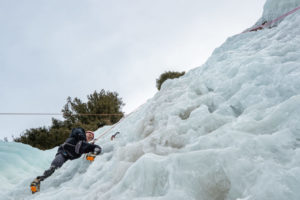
(276, 8)
(226, 130)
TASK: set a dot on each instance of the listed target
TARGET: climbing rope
(105, 132)
(267, 24)
(83, 114)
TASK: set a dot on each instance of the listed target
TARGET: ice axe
(114, 135)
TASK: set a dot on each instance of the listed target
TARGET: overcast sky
(50, 50)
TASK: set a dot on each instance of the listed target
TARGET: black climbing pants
(58, 161)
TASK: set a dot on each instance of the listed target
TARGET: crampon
(35, 186)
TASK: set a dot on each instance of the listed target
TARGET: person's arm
(86, 147)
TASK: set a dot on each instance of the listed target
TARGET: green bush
(167, 75)
(75, 115)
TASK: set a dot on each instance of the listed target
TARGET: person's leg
(58, 161)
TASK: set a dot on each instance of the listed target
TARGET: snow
(226, 130)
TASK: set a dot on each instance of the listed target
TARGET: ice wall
(276, 8)
(226, 130)
(18, 162)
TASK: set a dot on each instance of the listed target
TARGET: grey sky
(50, 50)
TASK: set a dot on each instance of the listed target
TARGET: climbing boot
(35, 185)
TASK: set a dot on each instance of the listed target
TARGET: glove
(97, 150)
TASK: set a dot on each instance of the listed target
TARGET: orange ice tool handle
(90, 158)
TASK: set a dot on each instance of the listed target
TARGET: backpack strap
(77, 147)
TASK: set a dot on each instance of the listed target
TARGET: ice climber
(74, 146)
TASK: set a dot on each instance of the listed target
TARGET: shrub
(167, 75)
(75, 115)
